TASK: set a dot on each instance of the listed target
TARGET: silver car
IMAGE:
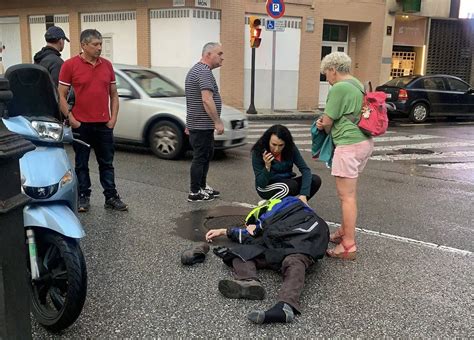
(153, 113)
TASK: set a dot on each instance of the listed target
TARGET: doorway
(335, 39)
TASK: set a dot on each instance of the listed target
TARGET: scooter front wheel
(59, 294)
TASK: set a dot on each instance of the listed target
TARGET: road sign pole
(251, 109)
(273, 72)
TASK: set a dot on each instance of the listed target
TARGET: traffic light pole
(251, 109)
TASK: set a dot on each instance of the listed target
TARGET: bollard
(15, 322)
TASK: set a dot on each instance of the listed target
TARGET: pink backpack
(373, 119)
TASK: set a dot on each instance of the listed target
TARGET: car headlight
(41, 193)
(48, 130)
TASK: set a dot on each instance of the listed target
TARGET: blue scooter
(56, 267)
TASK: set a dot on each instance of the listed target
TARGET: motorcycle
(56, 264)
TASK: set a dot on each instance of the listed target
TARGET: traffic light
(255, 31)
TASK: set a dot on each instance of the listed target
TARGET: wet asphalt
(396, 287)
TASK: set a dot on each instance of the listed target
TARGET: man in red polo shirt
(93, 116)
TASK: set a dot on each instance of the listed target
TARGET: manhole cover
(224, 221)
(408, 151)
(193, 225)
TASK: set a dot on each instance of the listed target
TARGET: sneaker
(84, 203)
(209, 190)
(242, 289)
(115, 203)
(200, 196)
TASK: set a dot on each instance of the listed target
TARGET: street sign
(275, 25)
(275, 8)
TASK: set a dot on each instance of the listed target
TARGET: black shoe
(200, 196)
(115, 203)
(84, 203)
(195, 255)
(210, 191)
(241, 289)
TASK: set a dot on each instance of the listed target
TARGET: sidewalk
(265, 114)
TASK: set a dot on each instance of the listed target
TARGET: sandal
(336, 237)
(345, 255)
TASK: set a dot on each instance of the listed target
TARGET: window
(335, 33)
(325, 50)
(457, 85)
(433, 84)
(153, 84)
(122, 83)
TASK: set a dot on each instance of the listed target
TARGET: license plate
(389, 95)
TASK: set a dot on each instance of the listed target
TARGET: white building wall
(286, 67)
(38, 29)
(121, 27)
(10, 38)
(177, 39)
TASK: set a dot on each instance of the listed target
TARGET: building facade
(168, 35)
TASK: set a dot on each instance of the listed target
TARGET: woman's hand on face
(268, 158)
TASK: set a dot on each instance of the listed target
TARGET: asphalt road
(412, 277)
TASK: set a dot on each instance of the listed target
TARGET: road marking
(422, 146)
(404, 138)
(268, 125)
(390, 236)
(291, 130)
(451, 166)
(436, 155)
(295, 135)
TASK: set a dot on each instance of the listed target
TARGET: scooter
(56, 264)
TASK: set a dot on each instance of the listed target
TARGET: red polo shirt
(91, 85)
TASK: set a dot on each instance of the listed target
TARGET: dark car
(420, 97)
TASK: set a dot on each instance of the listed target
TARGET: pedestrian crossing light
(255, 31)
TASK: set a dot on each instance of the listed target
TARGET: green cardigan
(281, 170)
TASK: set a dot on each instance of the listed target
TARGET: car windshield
(155, 85)
(400, 82)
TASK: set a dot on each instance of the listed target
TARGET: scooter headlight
(67, 178)
(41, 193)
(48, 130)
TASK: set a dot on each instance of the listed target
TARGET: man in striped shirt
(203, 110)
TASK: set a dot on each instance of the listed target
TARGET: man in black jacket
(289, 237)
(50, 56)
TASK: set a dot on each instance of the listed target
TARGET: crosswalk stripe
(422, 146)
(291, 130)
(436, 155)
(451, 166)
(404, 138)
(251, 124)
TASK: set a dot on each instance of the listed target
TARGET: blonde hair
(338, 61)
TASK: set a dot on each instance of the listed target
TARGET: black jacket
(294, 229)
(50, 58)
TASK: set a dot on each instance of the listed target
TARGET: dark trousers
(288, 187)
(202, 142)
(293, 269)
(101, 139)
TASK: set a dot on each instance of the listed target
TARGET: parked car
(153, 113)
(420, 97)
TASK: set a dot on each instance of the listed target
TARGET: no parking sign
(275, 8)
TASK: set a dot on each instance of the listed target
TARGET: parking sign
(275, 8)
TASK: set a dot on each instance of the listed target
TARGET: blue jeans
(202, 142)
(101, 139)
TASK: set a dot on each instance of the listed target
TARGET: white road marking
(436, 155)
(251, 124)
(390, 236)
(451, 166)
(307, 129)
(295, 135)
(404, 138)
(423, 146)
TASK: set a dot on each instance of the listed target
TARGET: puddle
(193, 225)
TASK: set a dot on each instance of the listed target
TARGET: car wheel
(166, 140)
(419, 113)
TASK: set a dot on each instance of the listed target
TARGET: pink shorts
(349, 160)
